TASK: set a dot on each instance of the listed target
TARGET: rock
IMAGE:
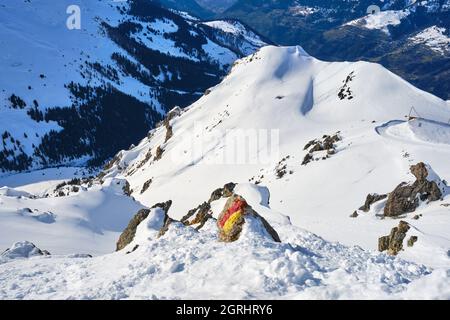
(225, 192)
(420, 172)
(169, 133)
(393, 243)
(159, 153)
(129, 233)
(233, 218)
(198, 217)
(412, 241)
(371, 199)
(406, 197)
(308, 158)
(146, 186)
(354, 215)
(114, 161)
(327, 143)
(309, 144)
(127, 189)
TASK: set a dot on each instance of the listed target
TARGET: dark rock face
(159, 153)
(225, 192)
(197, 217)
(233, 217)
(127, 189)
(146, 186)
(128, 234)
(419, 171)
(130, 231)
(327, 143)
(406, 197)
(412, 241)
(371, 199)
(393, 243)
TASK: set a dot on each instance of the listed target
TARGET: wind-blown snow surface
(87, 221)
(185, 263)
(291, 98)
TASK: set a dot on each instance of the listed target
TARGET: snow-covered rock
(23, 249)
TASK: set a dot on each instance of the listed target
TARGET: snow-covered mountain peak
(303, 142)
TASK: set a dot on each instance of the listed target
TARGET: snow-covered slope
(252, 130)
(63, 91)
(281, 98)
(184, 263)
(85, 221)
(436, 38)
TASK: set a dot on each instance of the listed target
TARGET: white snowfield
(289, 97)
(381, 20)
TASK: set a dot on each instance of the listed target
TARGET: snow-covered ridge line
(339, 115)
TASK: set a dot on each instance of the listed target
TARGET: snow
(183, 264)
(281, 90)
(238, 29)
(366, 161)
(381, 20)
(302, 10)
(418, 130)
(22, 249)
(435, 38)
(249, 40)
(218, 54)
(89, 221)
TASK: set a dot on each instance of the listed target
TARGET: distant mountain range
(411, 38)
(79, 96)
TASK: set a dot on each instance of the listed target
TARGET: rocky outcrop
(407, 197)
(198, 217)
(225, 192)
(354, 214)
(159, 153)
(326, 146)
(412, 241)
(146, 185)
(371, 199)
(129, 233)
(233, 217)
(127, 189)
(393, 243)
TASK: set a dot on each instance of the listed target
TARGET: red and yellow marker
(233, 214)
